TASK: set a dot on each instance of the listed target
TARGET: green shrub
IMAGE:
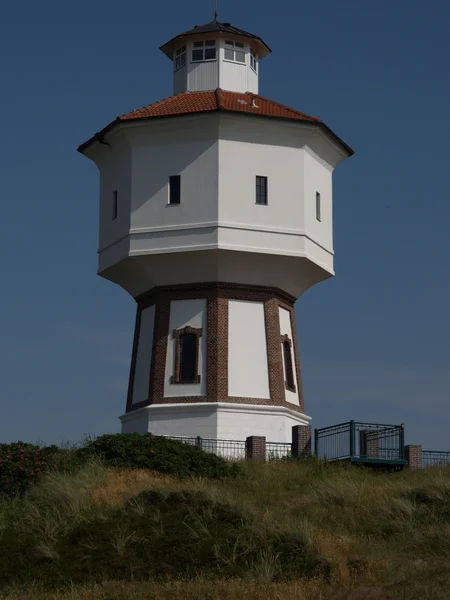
(135, 451)
(22, 465)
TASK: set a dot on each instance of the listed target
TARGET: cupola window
(253, 60)
(234, 52)
(180, 60)
(204, 51)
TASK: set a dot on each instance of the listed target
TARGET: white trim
(222, 406)
(219, 225)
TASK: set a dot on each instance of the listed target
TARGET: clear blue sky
(374, 341)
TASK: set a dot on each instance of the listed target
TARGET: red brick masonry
(217, 296)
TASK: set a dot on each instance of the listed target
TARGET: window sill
(196, 381)
(207, 60)
(173, 204)
(179, 68)
(235, 62)
(290, 389)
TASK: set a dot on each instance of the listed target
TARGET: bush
(22, 465)
(135, 451)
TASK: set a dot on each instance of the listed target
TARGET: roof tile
(195, 102)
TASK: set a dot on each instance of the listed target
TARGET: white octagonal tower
(215, 215)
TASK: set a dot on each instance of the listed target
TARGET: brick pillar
(369, 441)
(301, 441)
(256, 447)
(413, 455)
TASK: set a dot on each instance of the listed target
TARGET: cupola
(215, 55)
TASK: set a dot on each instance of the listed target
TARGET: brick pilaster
(301, 441)
(413, 455)
(256, 447)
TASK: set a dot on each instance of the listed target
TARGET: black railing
(433, 458)
(361, 442)
(277, 451)
(228, 449)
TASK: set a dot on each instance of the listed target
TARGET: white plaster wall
(283, 166)
(221, 420)
(183, 313)
(187, 148)
(115, 174)
(248, 373)
(286, 329)
(318, 178)
(144, 355)
(186, 421)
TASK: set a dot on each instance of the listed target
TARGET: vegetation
(277, 530)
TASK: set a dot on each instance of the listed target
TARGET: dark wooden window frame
(289, 381)
(174, 190)
(115, 207)
(177, 333)
(262, 190)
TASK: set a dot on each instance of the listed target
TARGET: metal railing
(278, 451)
(228, 449)
(363, 442)
(433, 458)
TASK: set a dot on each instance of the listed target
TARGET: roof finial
(216, 15)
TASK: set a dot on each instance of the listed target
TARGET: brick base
(301, 441)
(413, 455)
(256, 447)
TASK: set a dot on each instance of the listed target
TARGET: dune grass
(297, 530)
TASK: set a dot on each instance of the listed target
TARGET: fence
(432, 458)
(361, 442)
(275, 451)
(228, 449)
(368, 443)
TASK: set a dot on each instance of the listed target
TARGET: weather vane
(216, 15)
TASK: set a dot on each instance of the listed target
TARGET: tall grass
(309, 530)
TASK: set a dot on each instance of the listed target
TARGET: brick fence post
(255, 447)
(413, 455)
(301, 441)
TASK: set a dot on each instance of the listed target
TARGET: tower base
(216, 420)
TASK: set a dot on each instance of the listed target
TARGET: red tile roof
(218, 100)
(194, 102)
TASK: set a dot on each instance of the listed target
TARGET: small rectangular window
(204, 51)
(180, 60)
(175, 189)
(253, 60)
(261, 190)
(234, 51)
(318, 207)
(114, 205)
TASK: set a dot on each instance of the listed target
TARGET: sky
(374, 341)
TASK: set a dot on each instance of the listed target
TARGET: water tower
(215, 215)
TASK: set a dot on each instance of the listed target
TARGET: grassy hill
(305, 531)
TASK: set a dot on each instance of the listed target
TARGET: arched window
(288, 364)
(187, 347)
